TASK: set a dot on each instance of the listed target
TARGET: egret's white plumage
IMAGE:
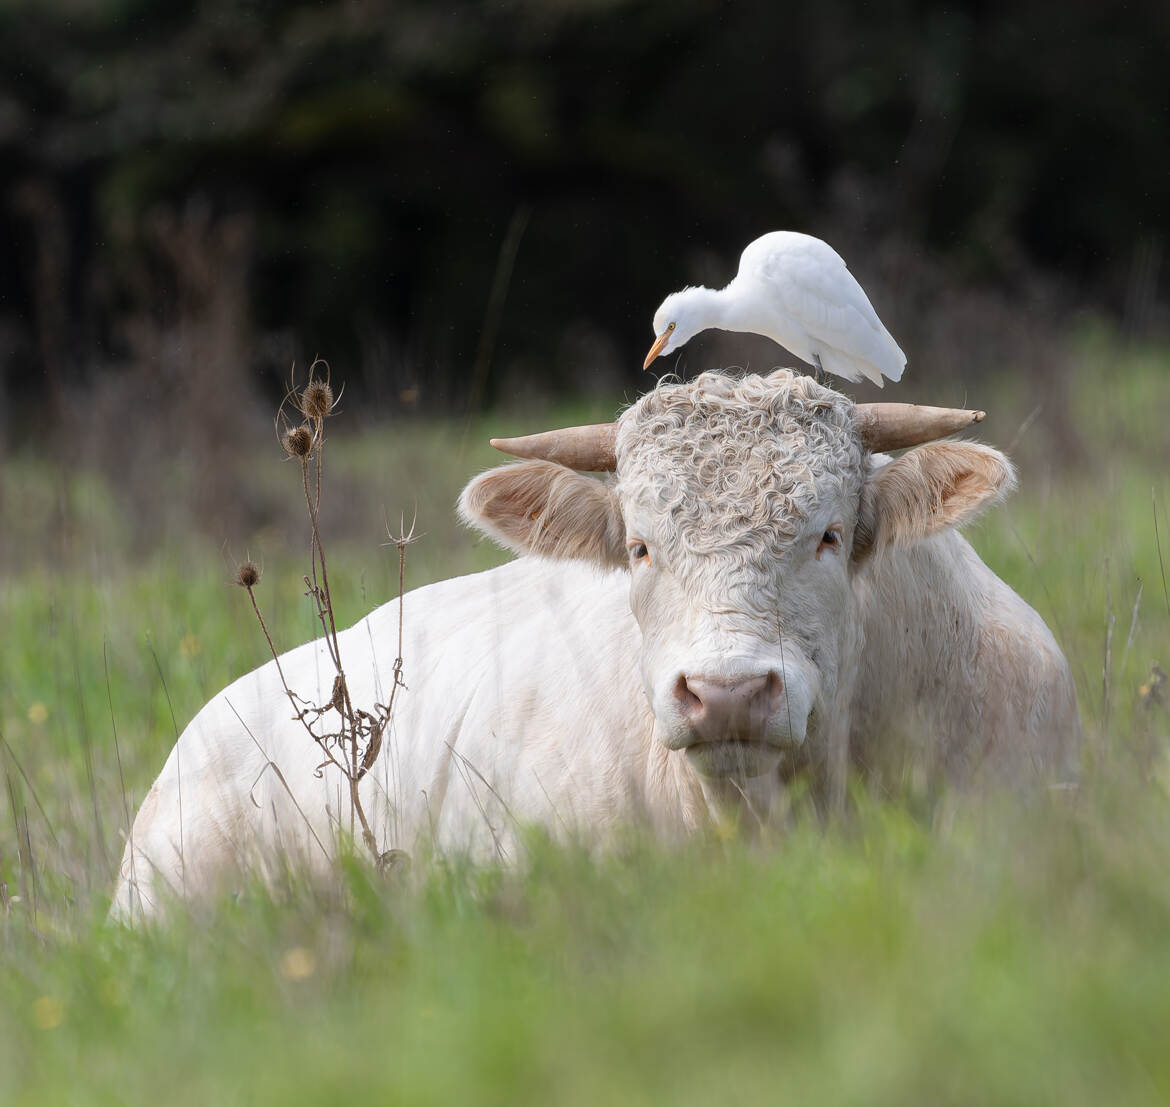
(797, 291)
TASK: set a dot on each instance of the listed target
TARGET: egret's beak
(656, 349)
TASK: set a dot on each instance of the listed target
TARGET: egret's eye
(638, 551)
(669, 327)
(830, 540)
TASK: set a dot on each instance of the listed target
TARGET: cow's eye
(638, 551)
(830, 540)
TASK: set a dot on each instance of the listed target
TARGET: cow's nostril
(772, 691)
(687, 700)
(721, 706)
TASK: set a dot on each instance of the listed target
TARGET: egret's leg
(819, 375)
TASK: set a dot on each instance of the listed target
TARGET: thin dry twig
(24, 854)
(1133, 621)
(11, 754)
(114, 731)
(5, 899)
(270, 764)
(464, 767)
(178, 760)
(1107, 668)
(349, 737)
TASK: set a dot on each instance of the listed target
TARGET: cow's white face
(738, 499)
(735, 657)
(741, 509)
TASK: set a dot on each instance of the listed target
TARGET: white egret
(797, 291)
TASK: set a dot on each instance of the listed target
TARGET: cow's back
(521, 703)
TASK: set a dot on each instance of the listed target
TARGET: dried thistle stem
(342, 747)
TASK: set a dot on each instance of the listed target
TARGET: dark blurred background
(464, 204)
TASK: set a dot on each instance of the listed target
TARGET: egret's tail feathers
(849, 368)
(894, 365)
(854, 368)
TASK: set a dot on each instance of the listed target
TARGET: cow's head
(742, 510)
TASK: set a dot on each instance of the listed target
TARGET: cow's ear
(929, 489)
(543, 508)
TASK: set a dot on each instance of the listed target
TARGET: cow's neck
(922, 613)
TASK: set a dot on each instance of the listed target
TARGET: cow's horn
(591, 449)
(895, 426)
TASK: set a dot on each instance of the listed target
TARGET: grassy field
(969, 952)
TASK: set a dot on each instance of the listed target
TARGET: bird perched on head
(797, 291)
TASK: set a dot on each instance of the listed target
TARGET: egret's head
(676, 322)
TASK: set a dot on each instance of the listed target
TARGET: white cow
(754, 594)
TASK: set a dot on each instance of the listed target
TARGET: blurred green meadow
(920, 950)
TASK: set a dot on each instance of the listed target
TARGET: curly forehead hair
(738, 462)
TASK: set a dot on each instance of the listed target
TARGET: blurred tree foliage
(453, 200)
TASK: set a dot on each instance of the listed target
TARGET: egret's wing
(810, 283)
(770, 250)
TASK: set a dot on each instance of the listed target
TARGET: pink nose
(719, 710)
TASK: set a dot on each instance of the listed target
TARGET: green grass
(983, 950)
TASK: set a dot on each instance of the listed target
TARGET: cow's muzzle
(728, 710)
(731, 726)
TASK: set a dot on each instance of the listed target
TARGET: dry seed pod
(317, 399)
(298, 442)
(248, 575)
